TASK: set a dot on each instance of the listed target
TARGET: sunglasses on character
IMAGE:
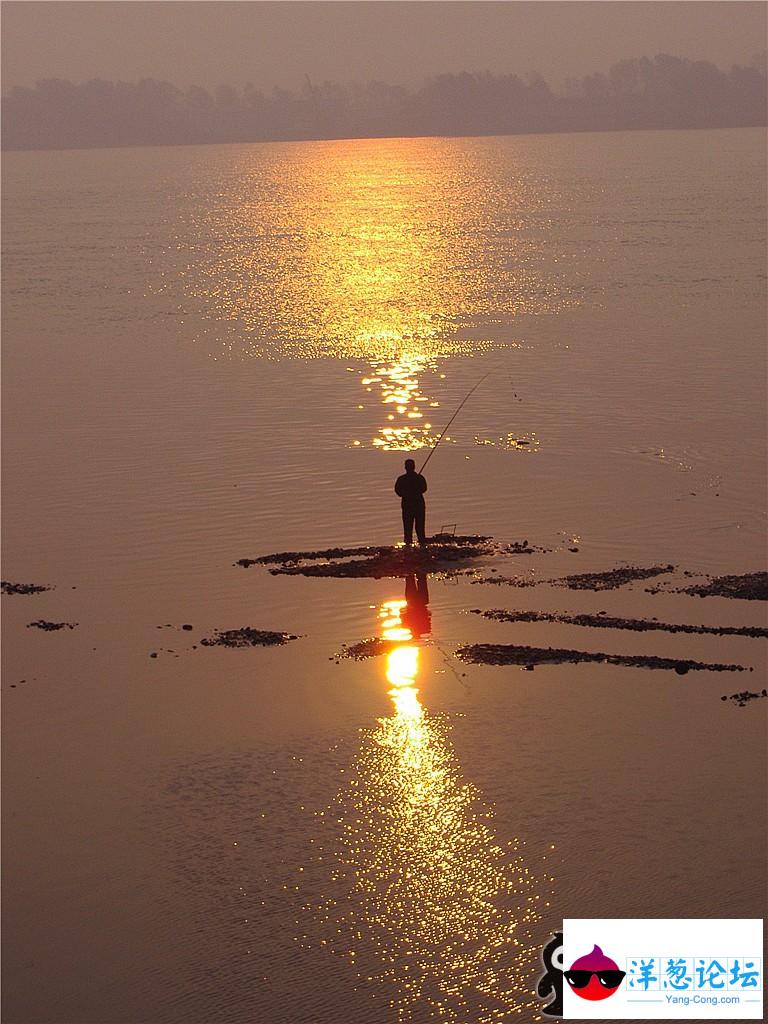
(608, 979)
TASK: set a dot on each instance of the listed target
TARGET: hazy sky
(278, 43)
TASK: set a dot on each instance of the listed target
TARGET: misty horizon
(276, 44)
(665, 91)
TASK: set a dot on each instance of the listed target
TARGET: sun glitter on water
(386, 251)
(408, 425)
(422, 897)
(528, 442)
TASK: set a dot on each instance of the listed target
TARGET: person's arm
(423, 485)
(398, 492)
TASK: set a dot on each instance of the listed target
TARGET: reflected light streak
(426, 901)
(402, 663)
(399, 384)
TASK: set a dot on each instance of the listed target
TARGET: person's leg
(408, 526)
(421, 516)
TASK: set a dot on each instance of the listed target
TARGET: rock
(751, 586)
(50, 626)
(247, 636)
(23, 588)
(517, 654)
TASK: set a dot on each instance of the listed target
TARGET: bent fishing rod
(450, 421)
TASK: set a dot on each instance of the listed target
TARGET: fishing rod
(450, 421)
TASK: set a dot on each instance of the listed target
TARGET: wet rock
(23, 588)
(611, 579)
(521, 548)
(605, 621)
(752, 586)
(596, 581)
(743, 698)
(294, 557)
(186, 626)
(370, 648)
(443, 551)
(246, 636)
(509, 581)
(514, 654)
(50, 626)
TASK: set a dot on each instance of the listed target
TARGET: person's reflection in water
(415, 615)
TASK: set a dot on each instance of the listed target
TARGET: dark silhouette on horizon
(411, 487)
(637, 93)
(416, 615)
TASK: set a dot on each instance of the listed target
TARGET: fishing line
(450, 421)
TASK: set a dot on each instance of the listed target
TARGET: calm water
(219, 352)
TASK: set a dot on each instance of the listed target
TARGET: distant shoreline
(382, 138)
(635, 94)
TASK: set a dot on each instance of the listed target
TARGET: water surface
(218, 352)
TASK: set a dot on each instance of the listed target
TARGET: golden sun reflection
(397, 252)
(427, 901)
(407, 409)
(402, 662)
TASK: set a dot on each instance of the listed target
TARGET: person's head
(410, 465)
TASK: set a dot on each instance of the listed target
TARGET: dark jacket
(411, 487)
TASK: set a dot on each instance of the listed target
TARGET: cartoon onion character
(594, 976)
(552, 979)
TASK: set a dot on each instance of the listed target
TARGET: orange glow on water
(432, 905)
(379, 251)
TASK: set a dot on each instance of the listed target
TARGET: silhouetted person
(416, 616)
(411, 487)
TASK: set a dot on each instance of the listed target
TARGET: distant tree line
(662, 92)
